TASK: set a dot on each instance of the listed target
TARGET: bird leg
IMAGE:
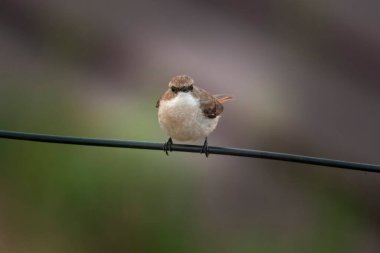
(168, 146)
(205, 148)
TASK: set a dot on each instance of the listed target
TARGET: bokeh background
(305, 78)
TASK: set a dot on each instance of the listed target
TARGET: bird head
(182, 83)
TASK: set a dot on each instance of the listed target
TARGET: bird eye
(173, 89)
(191, 87)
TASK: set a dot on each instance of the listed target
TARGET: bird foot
(168, 146)
(205, 148)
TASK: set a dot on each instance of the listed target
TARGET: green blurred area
(69, 198)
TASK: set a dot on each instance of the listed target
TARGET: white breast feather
(182, 118)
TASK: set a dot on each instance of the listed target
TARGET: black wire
(189, 148)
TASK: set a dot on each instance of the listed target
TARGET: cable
(189, 148)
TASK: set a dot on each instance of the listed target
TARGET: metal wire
(189, 148)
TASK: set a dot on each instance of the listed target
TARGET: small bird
(188, 113)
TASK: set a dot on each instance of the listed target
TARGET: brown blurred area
(305, 79)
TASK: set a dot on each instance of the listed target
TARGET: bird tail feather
(223, 98)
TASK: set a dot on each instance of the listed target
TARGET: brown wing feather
(210, 105)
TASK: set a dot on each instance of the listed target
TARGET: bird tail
(223, 98)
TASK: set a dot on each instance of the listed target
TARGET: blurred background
(305, 78)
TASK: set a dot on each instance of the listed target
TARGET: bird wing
(210, 105)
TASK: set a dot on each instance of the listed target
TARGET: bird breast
(182, 118)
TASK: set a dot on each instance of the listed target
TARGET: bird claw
(168, 146)
(205, 148)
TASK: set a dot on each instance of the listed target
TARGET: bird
(188, 113)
